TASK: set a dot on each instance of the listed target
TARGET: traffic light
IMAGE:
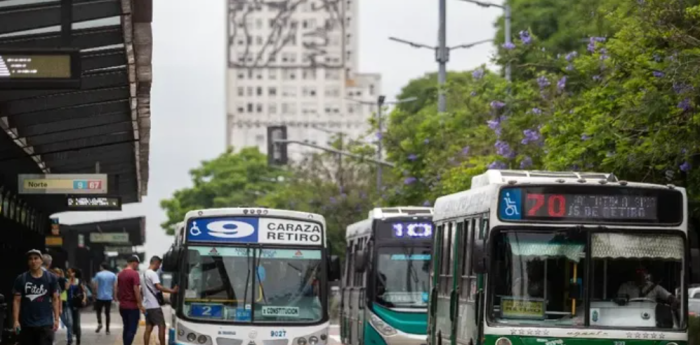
(276, 151)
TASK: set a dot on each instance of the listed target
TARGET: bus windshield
(402, 277)
(287, 285)
(635, 279)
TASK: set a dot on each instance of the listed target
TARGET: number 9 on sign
(207, 310)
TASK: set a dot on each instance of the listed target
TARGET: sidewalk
(89, 325)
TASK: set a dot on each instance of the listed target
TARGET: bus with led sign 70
(385, 290)
(251, 275)
(560, 257)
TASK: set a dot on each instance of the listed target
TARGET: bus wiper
(257, 267)
(247, 278)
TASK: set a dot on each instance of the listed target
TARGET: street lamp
(506, 10)
(381, 101)
(442, 56)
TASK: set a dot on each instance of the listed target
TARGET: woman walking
(66, 316)
(77, 298)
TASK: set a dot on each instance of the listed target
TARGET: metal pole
(66, 22)
(442, 56)
(506, 8)
(380, 104)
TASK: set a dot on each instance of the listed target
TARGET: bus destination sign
(590, 205)
(40, 68)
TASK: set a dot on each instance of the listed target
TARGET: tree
(339, 188)
(230, 180)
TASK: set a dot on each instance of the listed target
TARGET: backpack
(76, 294)
(158, 295)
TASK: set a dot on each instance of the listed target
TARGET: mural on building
(258, 41)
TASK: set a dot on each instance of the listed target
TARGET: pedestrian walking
(105, 284)
(36, 303)
(129, 296)
(77, 299)
(153, 301)
(65, 313)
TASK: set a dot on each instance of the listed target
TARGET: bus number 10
(556, 205)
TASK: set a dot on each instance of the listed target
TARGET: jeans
(36, 335)
(107, 305)
(67, 319)
(75, 316)
(130, 317)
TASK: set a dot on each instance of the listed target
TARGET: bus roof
(484, 188)
(365, 226)
(255, 211)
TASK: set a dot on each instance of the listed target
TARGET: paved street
(89, 325)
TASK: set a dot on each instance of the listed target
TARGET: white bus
(251, 276)
(560, 258)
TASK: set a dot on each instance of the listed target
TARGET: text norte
(303, 232)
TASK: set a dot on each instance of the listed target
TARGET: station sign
(55, 227)
(62, 184)
(94, 203)
(40, 68)
(120, 249)
(109, 237)
(54, 241)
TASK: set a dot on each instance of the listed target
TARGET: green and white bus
(560, 258)
(386, 282)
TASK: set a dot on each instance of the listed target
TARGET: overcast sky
(188, 105)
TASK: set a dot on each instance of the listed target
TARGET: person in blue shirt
(105, 283)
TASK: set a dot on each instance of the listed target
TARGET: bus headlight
(301, 341)
(381, 326)
(191, 337)
(181, 332)
(313, 340)
(202, 339)
(503, 341)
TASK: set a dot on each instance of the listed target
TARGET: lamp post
(442, 56)
(506, 10)
(381, 101)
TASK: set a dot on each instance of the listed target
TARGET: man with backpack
(153, 300)
(36, 303)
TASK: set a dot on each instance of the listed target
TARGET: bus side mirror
(334, 269)
(360, 261)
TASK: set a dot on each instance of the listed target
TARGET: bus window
(535, 273)
(446, 264)
(467, 254)
(349, 264)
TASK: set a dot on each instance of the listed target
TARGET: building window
(272, 108)
(259, 91)
(259, 108)
(332, 74)
(241, 109)
(258, 23)
(309, 91)
(250, 107)
(249, 91)
(272, 91)
(309, 74)
(371, 89)
(289, 91)
(332, 91)
(241, 75)
(272, 74)
(288, 74)
(272, 23)
(241, 91)
(258, 40)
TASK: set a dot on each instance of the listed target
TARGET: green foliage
(230, 180)
(342, 193)
(626, 104)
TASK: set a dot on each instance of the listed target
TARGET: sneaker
(107, 332)
(99, 327)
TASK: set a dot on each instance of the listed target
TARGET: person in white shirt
(153, 299)
(641, 287)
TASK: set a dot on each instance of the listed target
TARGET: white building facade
(293, 63)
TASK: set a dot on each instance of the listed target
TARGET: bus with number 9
(250, 276)
(527, 257)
